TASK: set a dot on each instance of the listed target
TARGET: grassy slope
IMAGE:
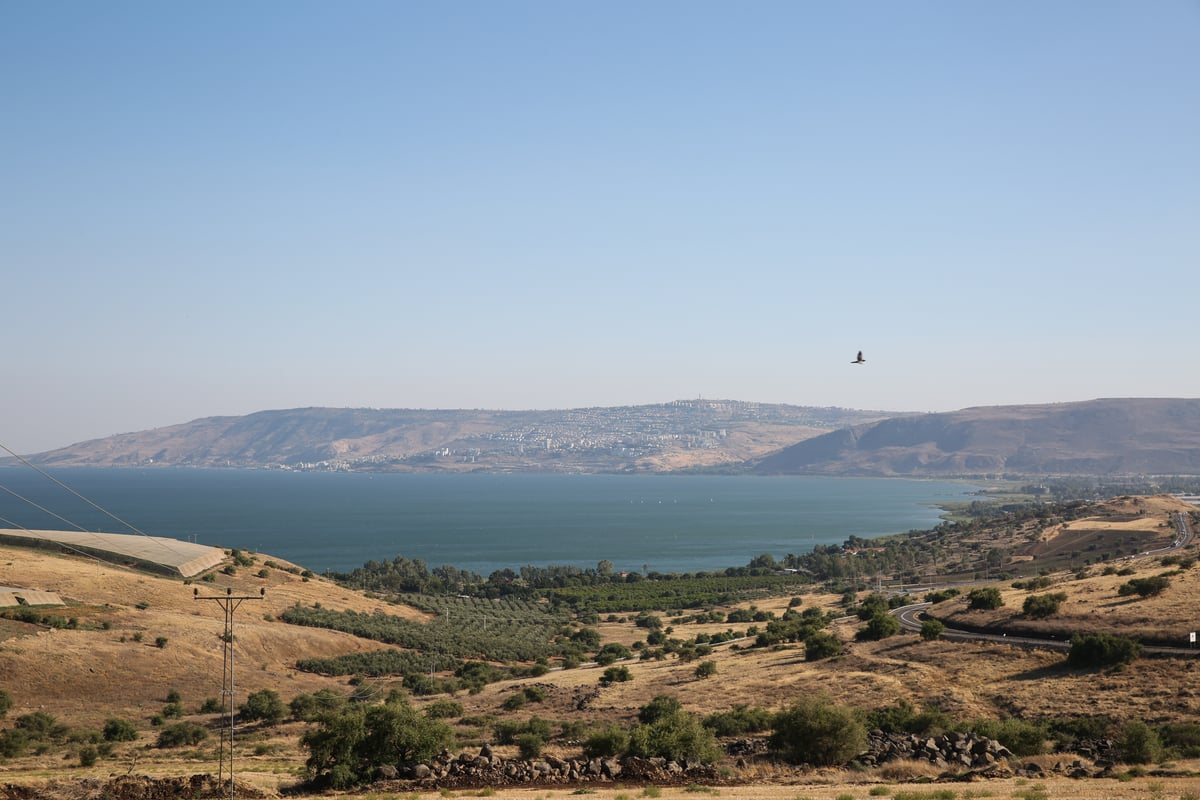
(87, 675)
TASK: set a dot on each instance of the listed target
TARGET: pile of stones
(488, 769)
(948, 750)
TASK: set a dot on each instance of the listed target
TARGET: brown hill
(650, 438)
(1096, 437)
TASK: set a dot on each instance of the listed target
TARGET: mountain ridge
(683, 434)
(1107, 436)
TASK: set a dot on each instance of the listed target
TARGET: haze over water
(482, 523)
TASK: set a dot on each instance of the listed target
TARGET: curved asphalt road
(910, 616)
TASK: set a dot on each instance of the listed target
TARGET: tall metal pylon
(229, 602)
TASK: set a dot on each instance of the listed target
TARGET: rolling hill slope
(1096, 437)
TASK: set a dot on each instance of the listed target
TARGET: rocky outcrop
(949, 750)
(131, 787)
(487, 769)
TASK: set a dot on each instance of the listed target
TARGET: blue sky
(218, 208)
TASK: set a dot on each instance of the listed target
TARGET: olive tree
(349, 747)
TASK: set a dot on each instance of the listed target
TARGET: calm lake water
(331, 521)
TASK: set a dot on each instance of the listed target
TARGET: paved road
(910, 618)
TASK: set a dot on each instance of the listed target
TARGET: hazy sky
(216, 208)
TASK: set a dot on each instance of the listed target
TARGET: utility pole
(229, 603)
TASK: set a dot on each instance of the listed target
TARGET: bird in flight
(860, 359)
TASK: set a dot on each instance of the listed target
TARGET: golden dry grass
(88, 675)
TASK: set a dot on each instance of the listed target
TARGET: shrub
(739, 721)
(706, 669)
(615, 675)
(40, 726)
(815, 731)
(903, 717)
(606, 742)
(1182, 738)
(1040, 606)
(1033, 584)
(662, 705)
(871, 605)
(1145, 587)
(88, 756)
(348, 747)
(932, 629)
(1102, 649)
(173, 696)
(507, 731)
(263, 705)
(675, 737)
(1138, 743)
(645, 620)
(210, 706)
(611, 652)
(821, 645)
(119, 730)
(444, 709)
(1024, 738)
(941, 596)
(172, 711)
(181, 734)
(160, 642)
(6, 703)
(985, 599)
(515, 701)
(529, 745)
(13, 743)
(880, 626)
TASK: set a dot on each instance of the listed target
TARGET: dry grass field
(110, 666)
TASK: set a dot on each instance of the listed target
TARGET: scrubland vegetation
(770, 677)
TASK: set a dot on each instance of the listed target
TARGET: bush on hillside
(181, 734)
(119, 730)
(738, 721)
(984, 599)
(822, 645)
(606, 742)
(675, 737)
(815, 731)
(264, 705)
(1022, 737)
(1102, 650)
(932, 629)
(880, 626)
(349, 747)
(1040, 606)
(1145, 587)
(1139, 743)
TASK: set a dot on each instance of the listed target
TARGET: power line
(229, 603)
(40, 507)
(64, 545)
(164, 541)
(50, 477)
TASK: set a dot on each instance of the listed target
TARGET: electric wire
(166, 543)
(47, 475)
(64, 545)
